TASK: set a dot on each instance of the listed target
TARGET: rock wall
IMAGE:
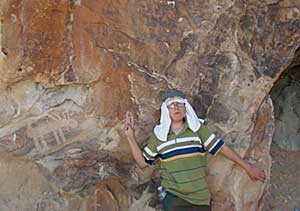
(69, 70)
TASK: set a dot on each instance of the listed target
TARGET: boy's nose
(177, 108)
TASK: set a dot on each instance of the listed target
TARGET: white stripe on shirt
(182, 147)
(186, 139)
(168, 143)
(145, 156)
(178, 140)
(209, 140)
(214, 145)
(153, 154)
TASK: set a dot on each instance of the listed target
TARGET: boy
(181, 142)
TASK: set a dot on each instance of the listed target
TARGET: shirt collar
(185, 127)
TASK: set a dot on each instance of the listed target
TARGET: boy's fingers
(129, 120)
(263, 176)
(126, 126)
(128, 117)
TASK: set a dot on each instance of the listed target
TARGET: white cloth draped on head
(161, 131)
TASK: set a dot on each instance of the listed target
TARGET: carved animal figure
(55, 127)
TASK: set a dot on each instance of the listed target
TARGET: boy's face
(177, 111)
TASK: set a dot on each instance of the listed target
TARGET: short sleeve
(211, 142)
(150, 151)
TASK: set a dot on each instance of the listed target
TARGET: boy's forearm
(232, 155)
(253, 172)
(137, 153)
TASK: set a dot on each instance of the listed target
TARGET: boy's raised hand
(129, 125)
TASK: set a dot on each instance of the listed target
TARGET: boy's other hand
(256, 173)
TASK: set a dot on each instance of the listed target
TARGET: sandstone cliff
(69, 69)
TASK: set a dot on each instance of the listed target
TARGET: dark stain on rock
(218, 113)
(201, 104)
(185, 44)
(69, 76)
(4, 51)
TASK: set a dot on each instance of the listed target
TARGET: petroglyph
(52, 124)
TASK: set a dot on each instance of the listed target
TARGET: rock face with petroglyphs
(70, 69)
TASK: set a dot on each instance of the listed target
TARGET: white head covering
(161, 131)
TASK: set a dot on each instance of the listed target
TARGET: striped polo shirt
(183, 161)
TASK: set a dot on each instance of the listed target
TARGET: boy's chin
(176, 119)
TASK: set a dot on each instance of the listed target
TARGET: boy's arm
(253, 172)
(136, 152)
(135, 149)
